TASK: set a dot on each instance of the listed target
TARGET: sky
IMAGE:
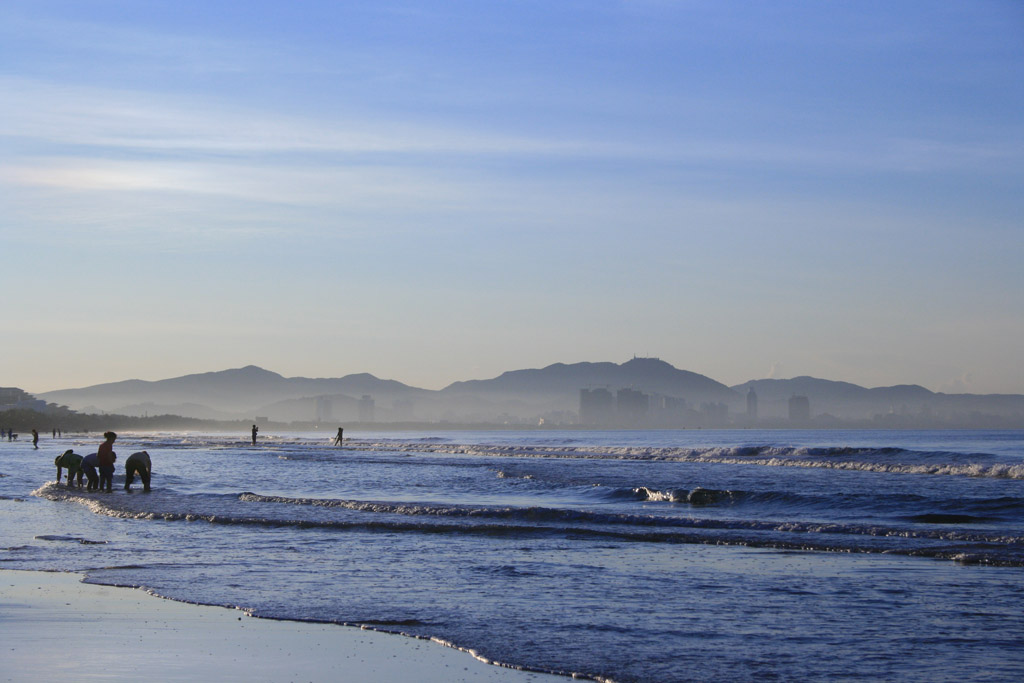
(442, 191)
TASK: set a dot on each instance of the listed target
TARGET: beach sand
(55, 628)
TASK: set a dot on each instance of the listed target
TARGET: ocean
(688, 555)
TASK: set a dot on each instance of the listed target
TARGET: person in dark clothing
(137, 463)
(72, 462)
(89, 465)
(106, 456)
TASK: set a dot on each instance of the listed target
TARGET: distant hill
(215, 395)
(563, 381)
(514, 395)
(853, 402)
(525, 396)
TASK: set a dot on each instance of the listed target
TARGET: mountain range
(674, 397)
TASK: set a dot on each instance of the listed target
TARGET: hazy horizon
(453, 381)
(435, 192)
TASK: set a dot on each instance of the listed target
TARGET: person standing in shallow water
(255, 429)
(340, 436)
(106, 456)
(35, 439)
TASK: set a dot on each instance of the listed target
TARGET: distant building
(12, 398)
(799, 409)
(324, 409)
(632, 406)
(367, 407)
(669, 411)
(597, 406)
(714, 413)
(404, 410)
(751, 405)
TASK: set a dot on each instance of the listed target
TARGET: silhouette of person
(106, 457)
(73, 463)
(254, 430)
(35, 439)
(340, 436)
(137, 463)
(89, 465)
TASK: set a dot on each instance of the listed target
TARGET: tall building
(632, 406)
(404, 409)
(324, 409)
(751, 405)
(799, 409)
(367, 407)
(597, 406)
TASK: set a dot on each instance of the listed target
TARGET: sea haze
(671, 398)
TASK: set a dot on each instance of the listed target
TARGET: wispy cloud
(119, 122)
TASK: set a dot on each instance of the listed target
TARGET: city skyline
(434, 192)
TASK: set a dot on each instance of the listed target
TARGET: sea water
(619, 555)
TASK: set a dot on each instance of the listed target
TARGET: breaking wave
(255, 510)
(888, 460)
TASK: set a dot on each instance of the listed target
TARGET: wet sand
(55, 628)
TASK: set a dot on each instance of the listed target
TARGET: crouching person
(89, 465)
(72, 462)
(140, 464)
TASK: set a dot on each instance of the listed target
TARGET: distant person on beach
(55, 433)
(72, 462)
(340, 436)
(106, 457)
(137, 463)
(255, 429)
(89, 465)
(35, 439)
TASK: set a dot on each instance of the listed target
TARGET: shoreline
(56, 627)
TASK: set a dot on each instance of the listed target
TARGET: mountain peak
(642, 363)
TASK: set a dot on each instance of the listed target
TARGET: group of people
(98, 467)
(9, 434)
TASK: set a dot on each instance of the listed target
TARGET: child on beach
(106, 457)
(137, 463)
(73, 463)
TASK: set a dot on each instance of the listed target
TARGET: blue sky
(434, 192)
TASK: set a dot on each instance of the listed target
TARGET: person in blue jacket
(89, 465)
